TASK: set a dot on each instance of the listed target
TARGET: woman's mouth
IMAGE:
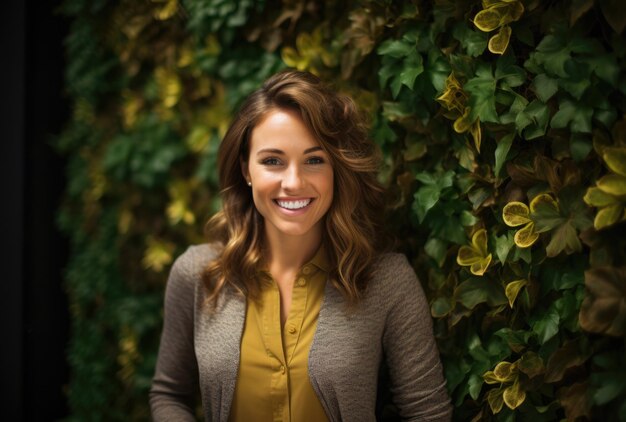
(293, 204)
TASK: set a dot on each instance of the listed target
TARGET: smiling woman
(291, 178)
(293, 309)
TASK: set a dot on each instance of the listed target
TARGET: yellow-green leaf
(613, 184)
(487, 20)
(499, 42)
(169, 86)
(476, 133)
(479, 241)
(124, 221)
(157, 254)
(515, 214)
(166, 11)
(514, 396)
(512, 290)
(494, 398)
(516, 10)
(526, 236)
(608, 216)
(479, 268)
(597, 198)
(504, 370)
(130, 108)
(490, 3)
(541, 200)
(453, 97)
(467, 256)
(198, 138)
(293, 59)
(463, 123)
(615, 158)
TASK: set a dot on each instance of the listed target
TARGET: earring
(249, 183)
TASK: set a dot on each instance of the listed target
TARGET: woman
(291, 311)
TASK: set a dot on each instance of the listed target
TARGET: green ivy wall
(503, 129)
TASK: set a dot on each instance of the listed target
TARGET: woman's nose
(293, 179)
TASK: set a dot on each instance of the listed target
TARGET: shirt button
(306, 270)
(282, 369)
(291, 329)
(301, 282)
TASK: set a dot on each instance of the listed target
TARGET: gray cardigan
(392, 322)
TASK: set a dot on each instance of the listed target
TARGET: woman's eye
(270, 161)
(315, 160)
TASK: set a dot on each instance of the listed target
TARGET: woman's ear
(244, 170)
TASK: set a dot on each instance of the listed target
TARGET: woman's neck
(288, 253)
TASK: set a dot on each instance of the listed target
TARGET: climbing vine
(503, 129)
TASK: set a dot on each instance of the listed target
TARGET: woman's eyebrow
(270, 150)
(281, 152)
(310, 150)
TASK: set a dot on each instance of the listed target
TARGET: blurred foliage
(503, 129)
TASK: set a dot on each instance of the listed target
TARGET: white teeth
(294, 205)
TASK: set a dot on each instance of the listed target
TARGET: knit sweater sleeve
(417, 383)
(175, 381)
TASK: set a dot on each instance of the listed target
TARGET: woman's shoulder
(393, 274)
(192, 263)
(392, 265)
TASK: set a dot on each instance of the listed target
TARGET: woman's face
(291, 176)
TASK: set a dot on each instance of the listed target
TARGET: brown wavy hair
(353, 221)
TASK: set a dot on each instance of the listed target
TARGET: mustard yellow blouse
(273, 381)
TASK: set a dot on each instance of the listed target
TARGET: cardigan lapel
(218, 341)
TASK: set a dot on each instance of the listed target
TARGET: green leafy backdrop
(503, 129)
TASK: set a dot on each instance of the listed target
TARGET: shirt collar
(320, 260)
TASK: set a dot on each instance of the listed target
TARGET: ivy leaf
(578, 9)
(441, 307)
(395, 48)
(425, 198)
(580, 146)
(476, 290)
(390, 69)
(533, 120)
(502, 150)
(575, 400)
(579, 82)
(552, 52)
(482, 100)
(504, 244)
(546, 325)
(475, 383)
(437, 69)
(544, 87)
(508, 73)
(436, 249)
(614, 14)
(517, 340)
(531, 364)
(570, 355)
(576, 116)
(605, 67)
(413, 67)
(604, 308)
(473, 42)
